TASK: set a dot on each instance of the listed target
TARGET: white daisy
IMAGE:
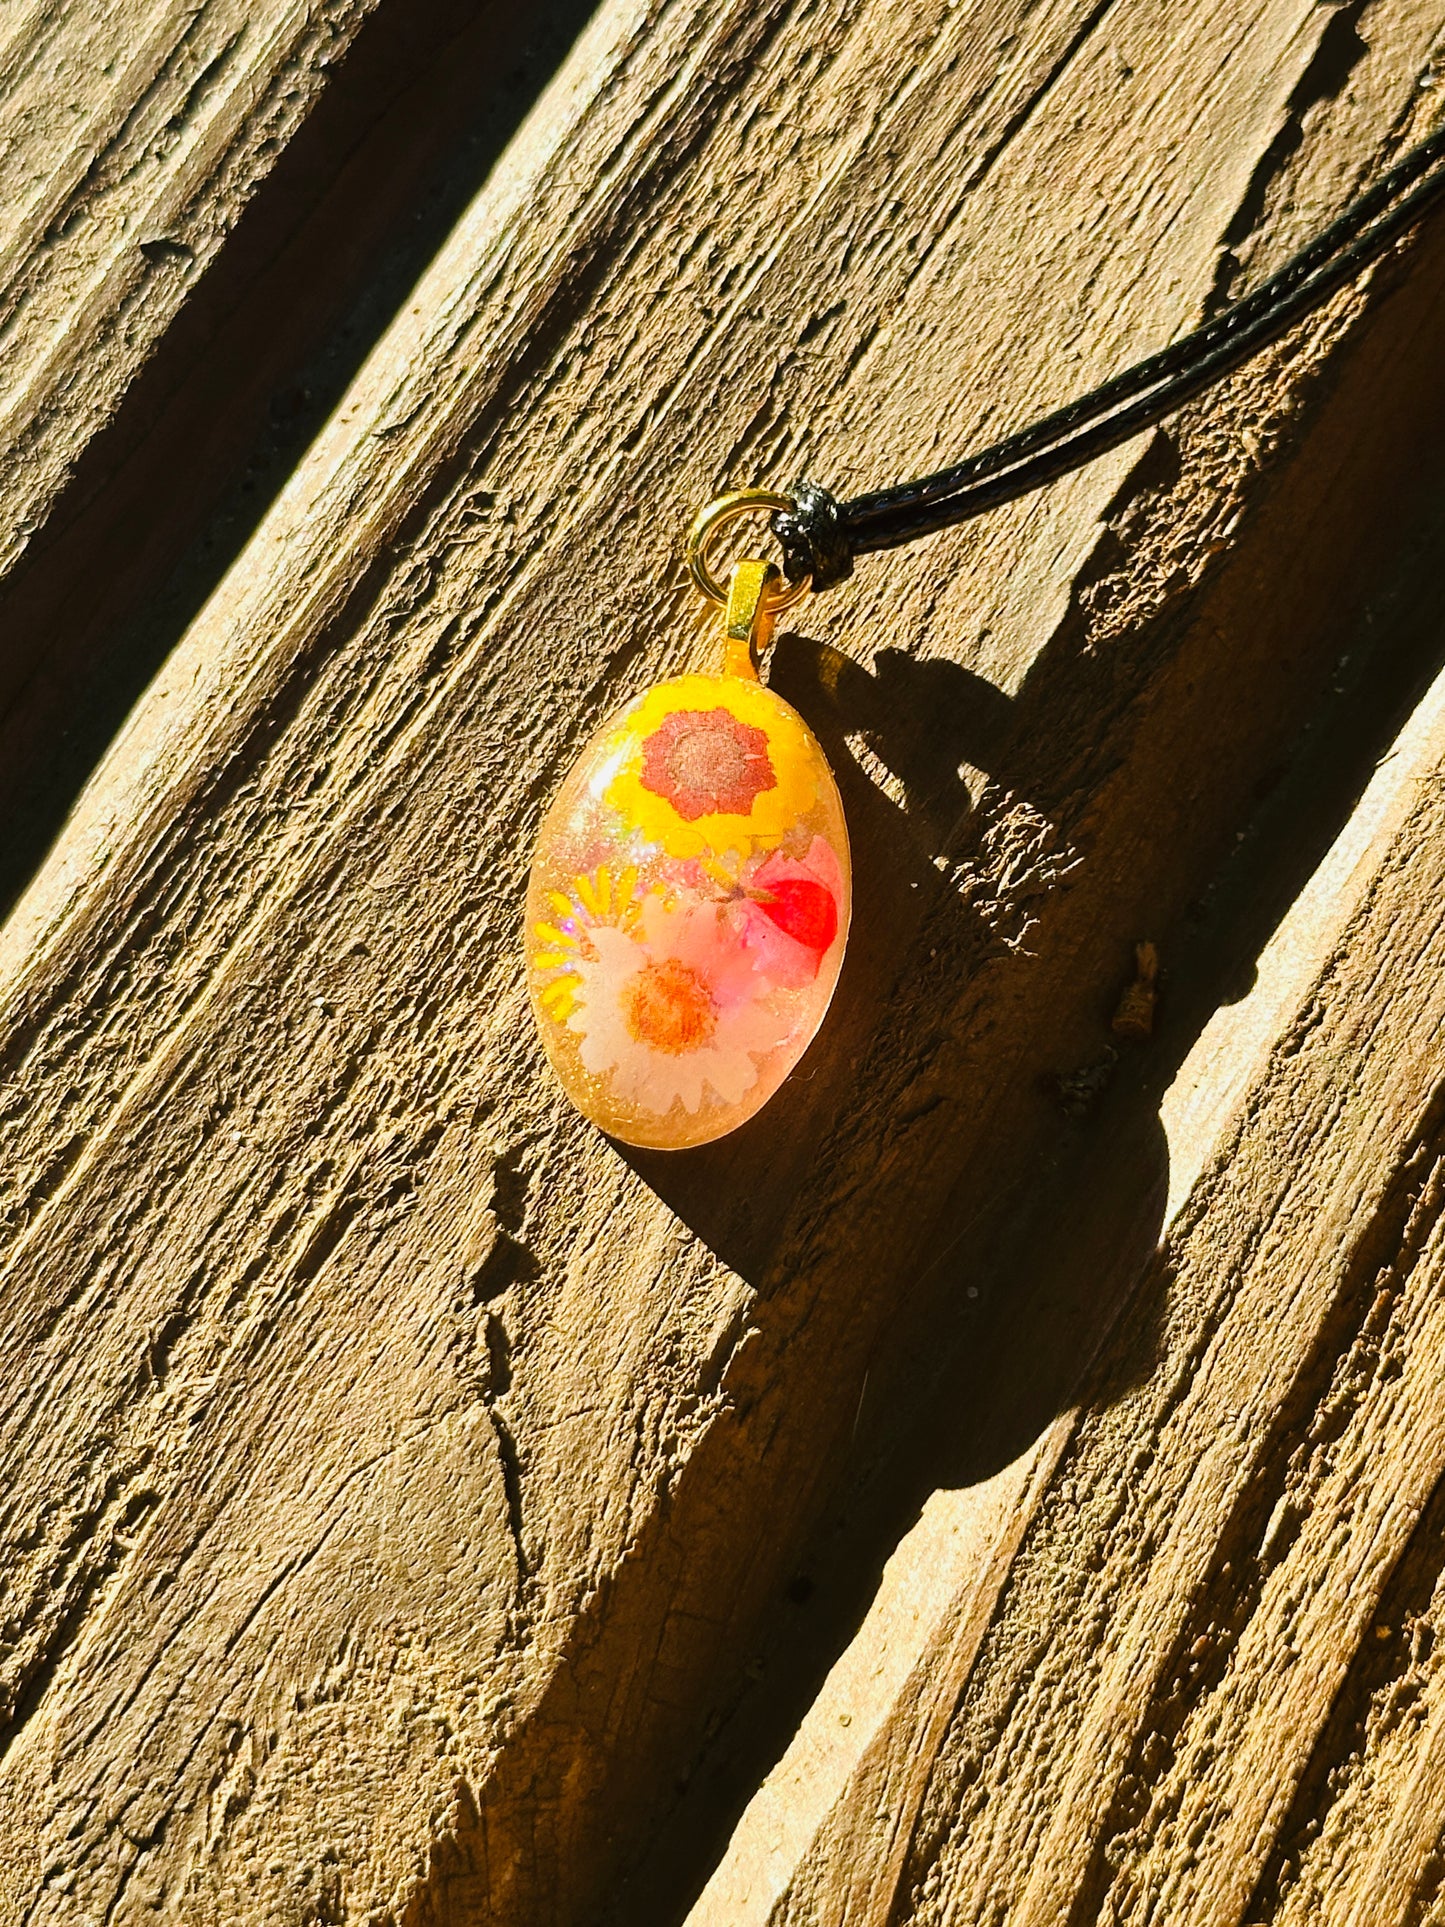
(673, 1009)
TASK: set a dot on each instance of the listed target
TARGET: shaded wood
(400, 1479)
(158, 460)
(826, 1834)
(1160, 1719)
(1298, 1409)
(136, 131)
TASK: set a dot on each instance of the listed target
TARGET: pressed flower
(687, 910)
(707, 762)
(785, 910)
(713, 764)
(605, 895)
(672, 1011)
(801, 899)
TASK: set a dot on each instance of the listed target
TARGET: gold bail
(750, 615)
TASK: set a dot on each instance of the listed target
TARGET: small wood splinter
(1134, 1016)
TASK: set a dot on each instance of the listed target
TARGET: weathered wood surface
(172, 376)
(1196, 1680)
(134, 134)
(401, 1488)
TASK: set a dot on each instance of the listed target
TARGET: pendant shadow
(946, 1213)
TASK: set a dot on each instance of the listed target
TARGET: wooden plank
(398, 1475)
(1362, 1841)
(323, 203)
(1158, 1722)
(1312, 1455)
(826, 1834)
(135, 133)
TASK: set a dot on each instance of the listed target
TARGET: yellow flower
(596, 899)
(711, 764)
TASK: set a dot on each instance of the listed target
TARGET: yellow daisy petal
(549, 933)
(560, 998)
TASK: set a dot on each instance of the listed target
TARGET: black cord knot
(821, 536)
(812, 537)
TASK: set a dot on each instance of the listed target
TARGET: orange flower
(707, 760)
(703, 765)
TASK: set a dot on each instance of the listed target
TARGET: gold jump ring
(718, 513)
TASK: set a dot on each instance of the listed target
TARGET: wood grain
(1168, 1719)
(399, 1478)
(387, 131)
(135, 133)
(1301, 1368)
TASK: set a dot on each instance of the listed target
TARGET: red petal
(804, 911)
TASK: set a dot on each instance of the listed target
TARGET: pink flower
(787, 915)
(706, 761)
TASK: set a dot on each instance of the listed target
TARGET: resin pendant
(688, 908)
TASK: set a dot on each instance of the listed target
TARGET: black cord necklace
(821, 536)
(691, 887)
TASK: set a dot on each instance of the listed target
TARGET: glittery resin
(687, 911)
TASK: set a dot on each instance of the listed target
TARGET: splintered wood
(1000, 1484)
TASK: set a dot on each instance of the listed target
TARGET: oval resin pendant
(687, 910)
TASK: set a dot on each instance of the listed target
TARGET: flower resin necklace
(689, 897)
(690, 891)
